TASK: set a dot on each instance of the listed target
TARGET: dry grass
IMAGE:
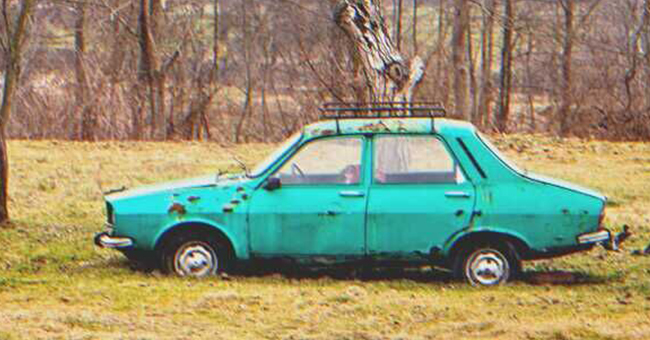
(54, 284)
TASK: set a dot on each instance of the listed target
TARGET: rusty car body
(407, 190)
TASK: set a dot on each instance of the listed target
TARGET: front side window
(325, 161)
(414, 159)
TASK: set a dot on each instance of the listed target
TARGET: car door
(321, 204)
(418, 198)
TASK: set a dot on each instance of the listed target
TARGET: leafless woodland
(256, 70)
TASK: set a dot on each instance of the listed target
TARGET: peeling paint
(193, 199)
(177, 208)
(374, 127)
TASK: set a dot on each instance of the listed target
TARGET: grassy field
(54, 284)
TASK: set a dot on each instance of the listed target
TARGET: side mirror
(272, 183)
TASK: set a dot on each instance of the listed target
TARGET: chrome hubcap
(487, 267)
(196, 259)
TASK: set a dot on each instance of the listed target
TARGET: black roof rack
(382, 110)
(338, 111)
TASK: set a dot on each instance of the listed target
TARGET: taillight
(601, 219)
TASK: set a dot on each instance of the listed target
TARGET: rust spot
(328, 132)
(244, 196)
(235, 201)
(565, 211)
(193, 199)
(228, 208)
(177, 208)
(378, 127)
(240, 189)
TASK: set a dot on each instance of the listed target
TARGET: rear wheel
(487, 264)
(195, 255)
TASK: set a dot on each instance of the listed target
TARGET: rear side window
(413, 159)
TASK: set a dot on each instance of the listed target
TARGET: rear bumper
(595, 237)
(584, 242)
(104, 240)
(605, 238)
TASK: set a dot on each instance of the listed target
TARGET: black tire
(195, 255)
(487, 264)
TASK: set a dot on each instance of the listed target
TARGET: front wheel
(195, 256)
(487, 264)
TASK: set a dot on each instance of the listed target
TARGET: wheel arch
(461, 241)
(197, 227)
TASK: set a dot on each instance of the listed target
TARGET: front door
(319, 208)
(418, 197)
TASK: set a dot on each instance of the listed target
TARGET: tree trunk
(415, 27)
(88, 120)
(15, 38)
(148, 64)
(473, 87)
(387, 75)
(484, 113)
(4, 178)
(442, 75)
(248, 101)
(459, 58)
(566, 97)
(397, 4)
(505, 78)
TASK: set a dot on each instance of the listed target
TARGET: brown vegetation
(242, 70)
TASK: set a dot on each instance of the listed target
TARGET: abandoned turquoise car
(377, 185)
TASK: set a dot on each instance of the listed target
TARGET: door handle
(329, 213)
(351, 193)
(458, 194)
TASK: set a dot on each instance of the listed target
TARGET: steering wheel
(296, 170)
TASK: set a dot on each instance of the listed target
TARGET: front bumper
(105, 240)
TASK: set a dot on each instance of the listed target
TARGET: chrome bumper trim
(104, 240)
(595, 237)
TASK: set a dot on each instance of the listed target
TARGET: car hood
(565, 185)
(174, 186)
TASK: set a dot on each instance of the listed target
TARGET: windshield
(268, 161)
(499, 155)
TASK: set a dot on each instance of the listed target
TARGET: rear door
(419, 196)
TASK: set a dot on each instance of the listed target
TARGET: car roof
(389, 125)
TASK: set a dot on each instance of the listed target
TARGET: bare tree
(484, 107)
(387, 75)
(566, 96)
(15, 30)
(459, 58)
(505, 78)
(247, 109)
(85, 109)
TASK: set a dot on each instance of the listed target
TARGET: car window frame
(280, 156)
(362, 169)
(450, 152)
